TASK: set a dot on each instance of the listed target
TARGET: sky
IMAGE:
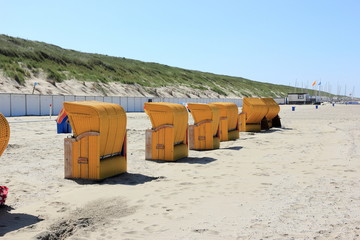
(289, 42)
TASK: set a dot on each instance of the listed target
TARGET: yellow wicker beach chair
(97, 149)
(272, 117)
(229, 120)
(4, 133)
(167, 140)
(204, 134)
(253, 112)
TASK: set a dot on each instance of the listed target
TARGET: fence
(12, 104)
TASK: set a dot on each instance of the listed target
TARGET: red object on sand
(3, 194)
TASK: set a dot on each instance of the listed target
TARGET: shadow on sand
(13, 221)
(236, 148)
(189, 160)
(124, 179)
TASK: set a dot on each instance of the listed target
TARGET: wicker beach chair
(204, 134)
(4, 133)
(229, 120)
(253, 112)
(167, 140)
(97, 149)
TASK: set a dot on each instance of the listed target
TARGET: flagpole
(34, 87)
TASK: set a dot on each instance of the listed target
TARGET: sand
(81, 88)
(298, 182)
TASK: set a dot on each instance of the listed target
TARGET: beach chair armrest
(203, 122)
(86, 134)
(162, 126)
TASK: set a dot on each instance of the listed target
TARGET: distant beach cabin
(280, 100)
(299, 98)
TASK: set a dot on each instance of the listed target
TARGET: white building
(299, 98)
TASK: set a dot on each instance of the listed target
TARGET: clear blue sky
(290, 42)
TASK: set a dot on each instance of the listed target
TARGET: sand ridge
(88, 88)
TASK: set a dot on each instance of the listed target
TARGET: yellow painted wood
(99, 129)
(4, 133)
(169, 131)
(224, 129)
(206, 126)
(273, 108)
(248, 127)
(229, 120)
(253, 110)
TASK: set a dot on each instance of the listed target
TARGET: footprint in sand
(151, 228)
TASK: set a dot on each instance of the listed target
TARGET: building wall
(298, 98)
(280, 100)
(12, 105)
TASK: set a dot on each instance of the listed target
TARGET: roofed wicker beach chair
(272, 116)
(253, 112)
(229, 120)
(167, 139)
(204, 134)
(4, 133)
(97, 149)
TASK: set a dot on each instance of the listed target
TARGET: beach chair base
(248, 127)
(112, 166)
(91, 166)
(251, 127)
(233, 135)
(201, 138)
(160, 147)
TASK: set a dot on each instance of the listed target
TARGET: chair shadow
(271, 130)
(124, 179)
(196, 160)
(13, 221)
(233, 148)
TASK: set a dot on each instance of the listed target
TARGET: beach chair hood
(161, 114)
(255, 109)
(108, 119)
(229, 111)
(273, 108)
(202, 112)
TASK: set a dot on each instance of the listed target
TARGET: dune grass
(20, 59)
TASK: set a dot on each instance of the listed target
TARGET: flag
(319, 83)
(313, 84)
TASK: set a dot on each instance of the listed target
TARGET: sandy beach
(298, 182)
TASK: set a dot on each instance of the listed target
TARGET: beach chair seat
(167, 139)
(97, 149)
(4, 133)
(253, 112)
(229, 120)
(204, 134)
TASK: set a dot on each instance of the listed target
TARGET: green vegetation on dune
(20, 59)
